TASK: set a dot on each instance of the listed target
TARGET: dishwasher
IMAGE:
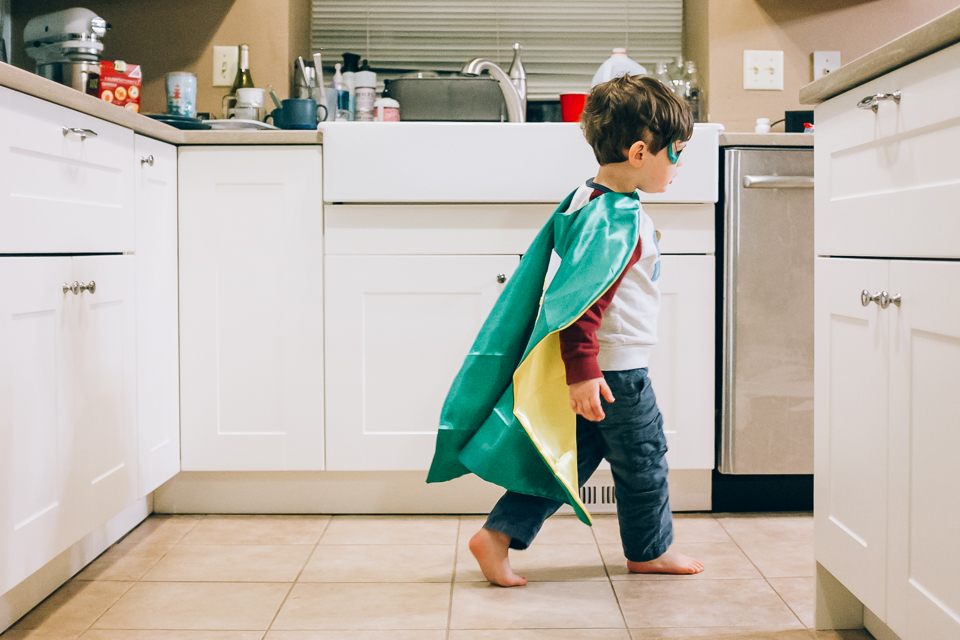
(766, 319)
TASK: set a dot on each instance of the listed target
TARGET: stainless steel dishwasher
(767, 364)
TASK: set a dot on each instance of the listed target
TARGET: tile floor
(412, 578)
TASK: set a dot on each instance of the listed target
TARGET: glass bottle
(677, 76)
(663, 75)
(693, 91)
(242, 80)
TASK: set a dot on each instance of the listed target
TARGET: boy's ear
(636, 154)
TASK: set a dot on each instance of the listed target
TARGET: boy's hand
(585, 398)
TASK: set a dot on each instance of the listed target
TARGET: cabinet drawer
(887, 182)
(63, 192)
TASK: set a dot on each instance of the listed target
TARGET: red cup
(571, 106)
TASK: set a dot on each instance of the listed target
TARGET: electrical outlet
(225, 61)
(824, 62)
(763, 70)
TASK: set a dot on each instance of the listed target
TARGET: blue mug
(297, 113)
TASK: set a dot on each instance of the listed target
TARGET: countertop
(32, 84)
(922, 41)
(766, 139)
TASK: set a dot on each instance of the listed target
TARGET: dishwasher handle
(778, 182)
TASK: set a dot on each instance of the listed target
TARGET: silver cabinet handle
(866, 298)
(90, 286)
(75, 287)
(871, 102)
(778, 182)
(148, 160)
(83, 133)
(886, 300)
(501, 278)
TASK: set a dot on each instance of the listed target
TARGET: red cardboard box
(119, 83)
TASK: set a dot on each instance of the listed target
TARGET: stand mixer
(66, 45)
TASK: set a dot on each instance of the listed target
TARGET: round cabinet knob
(501, 278)
(148, 160)
(75, 287)
(91, 287)
(866, 298)
(887, 300)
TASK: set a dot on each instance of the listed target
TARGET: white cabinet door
(924, 511)
(33, 421)
(682, 365)
(851, 426)
(158, 367)
(101, 472)
(398, 329)
(251, 308)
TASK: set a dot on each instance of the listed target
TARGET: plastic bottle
(350, 61)
(763, 125)
(386, 110)
(343, 96)
(617, 65)
(366, 92)
(693, 92)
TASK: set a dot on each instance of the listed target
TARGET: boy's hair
(631, 108)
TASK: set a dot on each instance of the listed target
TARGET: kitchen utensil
(181, 93)
(303, 71)
(318, 67)
(571, 106)
(276, 102)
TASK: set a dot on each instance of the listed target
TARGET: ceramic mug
(296, 113)
(182, 94)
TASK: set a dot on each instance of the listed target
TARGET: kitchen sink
(454, 98)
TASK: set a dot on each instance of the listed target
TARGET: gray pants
(631, 438)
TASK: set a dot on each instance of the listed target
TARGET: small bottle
(366, 92)
(386, 110)
(763, 125)
(343, 96)
(693, 92)
(677, 74)
(350, 61)
(615, 66)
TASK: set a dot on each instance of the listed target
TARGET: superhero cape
(507, 417)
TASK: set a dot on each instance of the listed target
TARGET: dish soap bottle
(617, 65)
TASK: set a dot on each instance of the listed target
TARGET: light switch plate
(824, 62)
(763, 70)
(225, 61)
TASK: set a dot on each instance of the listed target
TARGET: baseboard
(877, 627)
(17, 602)
(359, 492)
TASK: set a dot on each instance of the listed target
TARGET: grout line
(610, 581)
(295, 580)
(453, 576)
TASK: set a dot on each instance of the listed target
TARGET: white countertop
(766, 140)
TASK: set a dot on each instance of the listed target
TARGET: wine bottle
(242, 80)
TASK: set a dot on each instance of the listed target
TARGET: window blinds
(563, 41)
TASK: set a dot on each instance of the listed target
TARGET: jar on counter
(386, 110)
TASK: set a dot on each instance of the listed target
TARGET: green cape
(507, 417)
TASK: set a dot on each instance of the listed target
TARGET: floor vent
(598, 494)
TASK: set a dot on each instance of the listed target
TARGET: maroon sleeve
(578, 342)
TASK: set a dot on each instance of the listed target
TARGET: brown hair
(631, 108)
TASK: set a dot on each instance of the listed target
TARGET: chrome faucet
(516, 102)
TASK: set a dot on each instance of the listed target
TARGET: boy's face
(656, 172)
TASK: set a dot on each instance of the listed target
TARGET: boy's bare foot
(490, 549)
(671, 562)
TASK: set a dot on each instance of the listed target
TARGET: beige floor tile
(759, 527)
(686, 528)
(230, 563)
(73, 607)
(720, 559)
(38, 634)
(541, 634)
(800, 596)
(353, 530)
(361, 634)
(187, 605)
(258, 530)
(565, 530)
(365, 606)
(722, 633)
(124, 562)
(380, 563)
(181, 634)
(777, 559)
(537, 605)
(703, 603)
(161, 529)
(542, 563)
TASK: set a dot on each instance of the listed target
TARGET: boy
(592, 331)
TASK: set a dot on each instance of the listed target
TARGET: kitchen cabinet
(66, 180)
(886, 365)
(158, 348)
(68, 457)
(251, 308)
(398, 328)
